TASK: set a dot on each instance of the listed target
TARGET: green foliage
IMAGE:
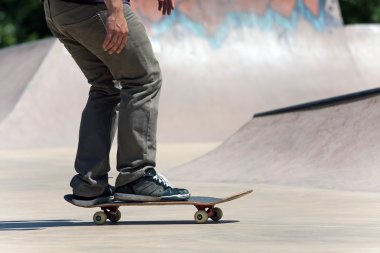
(360, 11)
(21, 21)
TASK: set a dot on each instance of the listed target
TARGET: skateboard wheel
(200, 216)
(115, 217)
(218, 214)
(100, 218)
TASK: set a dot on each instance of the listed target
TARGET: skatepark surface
(312, 163)
(272, 219)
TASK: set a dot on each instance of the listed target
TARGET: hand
(166, 6)
(117, 32)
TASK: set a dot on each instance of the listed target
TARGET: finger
(112, 43)
(117, 42)
(107, 40)
(123, 44)
(160, 4)
(171, 5)
(113, 40)
(120, 44)
(164, 9)
(170, 8)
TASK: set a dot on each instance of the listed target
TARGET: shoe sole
(134, 197)
(97, 201)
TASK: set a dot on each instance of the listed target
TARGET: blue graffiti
(271, 20)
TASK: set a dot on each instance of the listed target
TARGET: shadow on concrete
(39, 224)
(24, 225)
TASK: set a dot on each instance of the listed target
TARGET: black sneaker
(106, 197)
(151, 187)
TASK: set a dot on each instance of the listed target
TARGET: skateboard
(205, 206)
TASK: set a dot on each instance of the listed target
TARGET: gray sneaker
(151, 187)
(106, 197)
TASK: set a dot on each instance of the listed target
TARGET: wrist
(114, 7)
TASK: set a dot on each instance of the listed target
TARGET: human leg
(98, 122)
(140, 81)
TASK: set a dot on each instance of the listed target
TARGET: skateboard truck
(112, 213)
(204, 212)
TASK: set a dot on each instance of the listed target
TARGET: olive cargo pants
(124, 94)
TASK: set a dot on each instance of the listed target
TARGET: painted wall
(214, 19)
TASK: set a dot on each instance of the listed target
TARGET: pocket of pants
(90, 32)
(87, 22)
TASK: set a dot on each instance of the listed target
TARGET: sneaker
(106, 197)
(151, 187)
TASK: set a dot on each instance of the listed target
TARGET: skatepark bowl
(275, 96)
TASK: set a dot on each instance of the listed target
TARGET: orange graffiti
(147, 9)
(284, 7)
(199, 12)
(259, 7)
(313, 6)
(211, 13)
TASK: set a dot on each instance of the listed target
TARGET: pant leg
(98, 122)
(140, 81)
(97, 129)
(138, 74)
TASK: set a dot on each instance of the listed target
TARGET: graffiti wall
(214, 19)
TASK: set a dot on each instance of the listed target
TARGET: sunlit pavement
(35, 218)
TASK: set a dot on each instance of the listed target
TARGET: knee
(156, 80)
(149, 82)
(107, 93)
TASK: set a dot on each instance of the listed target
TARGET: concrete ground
(35, 218)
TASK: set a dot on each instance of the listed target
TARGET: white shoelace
(161, 179)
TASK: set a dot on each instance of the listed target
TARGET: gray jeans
(124, 94)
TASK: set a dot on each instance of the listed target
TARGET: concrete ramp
(47, 110)
(332, 143)
(363, 42)
(17, 68)
(222, 60)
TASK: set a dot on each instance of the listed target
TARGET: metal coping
(319, 104)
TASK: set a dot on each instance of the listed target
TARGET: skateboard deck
(204, 204)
